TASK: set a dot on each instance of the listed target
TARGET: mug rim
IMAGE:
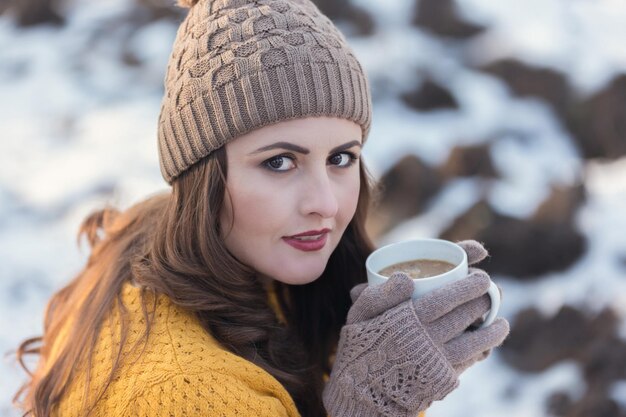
(463, 263)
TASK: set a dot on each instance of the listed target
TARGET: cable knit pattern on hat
(238, 65)
(183, 371)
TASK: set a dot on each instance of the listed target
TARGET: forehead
(316, 132)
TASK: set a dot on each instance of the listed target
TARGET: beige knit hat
(238, 65)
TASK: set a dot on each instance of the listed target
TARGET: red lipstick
(309, 241)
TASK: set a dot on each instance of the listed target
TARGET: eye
(280, 163)
(343, 159)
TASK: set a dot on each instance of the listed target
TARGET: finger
(474, 269)
(445, 299)
(356, 291)
(453, 324)
(376, 299)
(478, 270)
(462, 367)
(469, 344)
(475, 251)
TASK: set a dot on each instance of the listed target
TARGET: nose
(319, 196)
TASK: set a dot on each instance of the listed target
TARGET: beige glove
(396, 356)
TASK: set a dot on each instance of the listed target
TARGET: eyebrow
(345, 146)
(305, 151)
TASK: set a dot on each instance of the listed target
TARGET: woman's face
(293, 177)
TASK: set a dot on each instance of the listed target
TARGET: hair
(170, 244)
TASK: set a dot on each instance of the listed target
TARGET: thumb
(376, 299)
(475, 251)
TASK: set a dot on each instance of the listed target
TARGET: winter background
(502, 121)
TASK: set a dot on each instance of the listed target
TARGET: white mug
(437, 249)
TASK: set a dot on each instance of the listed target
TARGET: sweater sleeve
(208, 394)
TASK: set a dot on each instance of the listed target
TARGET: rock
(590, 339)
(471, 224)
(523, 249)
(525, 81)
(469, 161)
(590, 405)
(595, 406)
(562, 204)
(548, 241)
(430, 96)
(37, 12)
(343, 10)
(404, 191)
(598, 124)
(4, 6)
(441, 18)
(601, 361)
(536, 342)
(559, 404)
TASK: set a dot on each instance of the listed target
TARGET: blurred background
(502, 121)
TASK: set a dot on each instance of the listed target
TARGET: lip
(310, 233)
(308, 245)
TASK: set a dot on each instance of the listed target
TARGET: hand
(396, 356)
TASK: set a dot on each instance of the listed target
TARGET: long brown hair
(170, 244)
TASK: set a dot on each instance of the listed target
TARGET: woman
(242, 291)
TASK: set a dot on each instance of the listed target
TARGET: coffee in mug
(418, 268)
(409, 251)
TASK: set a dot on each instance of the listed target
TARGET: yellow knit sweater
(183, 371)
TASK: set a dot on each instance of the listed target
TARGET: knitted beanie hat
(237, 65)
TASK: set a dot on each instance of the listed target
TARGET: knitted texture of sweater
(183, 371)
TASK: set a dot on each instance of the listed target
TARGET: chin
(301, 276)
(298, 280)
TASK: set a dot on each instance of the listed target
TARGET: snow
(78, 130)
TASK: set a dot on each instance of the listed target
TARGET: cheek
(256, 208)
(348, 200)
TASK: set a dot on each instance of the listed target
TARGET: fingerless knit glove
(396, 356)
